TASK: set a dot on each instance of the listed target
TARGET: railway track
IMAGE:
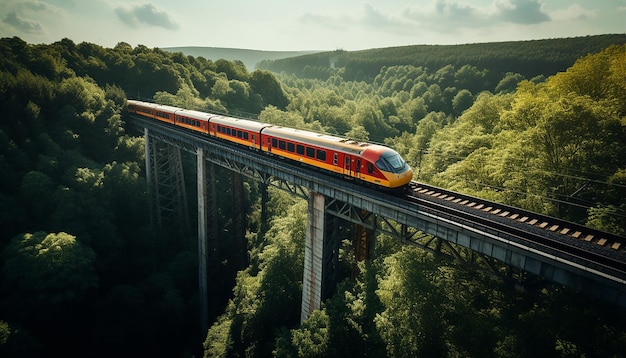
(569, 238)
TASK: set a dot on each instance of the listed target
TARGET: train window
(310, 152)
(300, 149)
(391, 161)
(274, 142)
(245, 135)
(282, 145)
(291, 147)
(370, 168)
(321, 155)
(335, 159)
(239, 134)
(227, 130)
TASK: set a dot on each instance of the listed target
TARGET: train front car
(388, 163)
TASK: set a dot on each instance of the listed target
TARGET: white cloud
(521, 11)
(22, 24)
(573, 12)
(146, 14)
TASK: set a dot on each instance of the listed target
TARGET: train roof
(190, 113)
(140, 103)
(166, 108)
(240, 123)
(318, 139)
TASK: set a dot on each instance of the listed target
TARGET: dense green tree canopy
(79, 253)
(49, 268)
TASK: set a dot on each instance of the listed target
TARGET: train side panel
(240, 131)
(315, 150)
(194, 120)
(142, 108)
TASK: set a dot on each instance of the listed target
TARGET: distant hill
(250, 58)
(528, 58)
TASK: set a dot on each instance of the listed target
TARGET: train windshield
(391, 161)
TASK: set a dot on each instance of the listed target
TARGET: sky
(306, 25)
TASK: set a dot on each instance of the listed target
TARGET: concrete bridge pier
(313, 256)
(202, 242)
(321, 253)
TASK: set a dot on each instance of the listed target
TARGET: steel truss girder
(167, 187)
(415, 237)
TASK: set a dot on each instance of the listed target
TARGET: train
(369, 164)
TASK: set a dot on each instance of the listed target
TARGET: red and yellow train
(370, 163)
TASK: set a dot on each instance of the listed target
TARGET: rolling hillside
(528, 58)
(250, 58)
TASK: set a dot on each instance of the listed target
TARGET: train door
(347, 166)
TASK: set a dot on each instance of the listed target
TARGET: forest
(84, 273)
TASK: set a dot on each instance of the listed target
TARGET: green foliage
(312, 339)
(412, 312)
(462, 116)
(49, 268)
(528, 58)
(251, 320)
(543, 141)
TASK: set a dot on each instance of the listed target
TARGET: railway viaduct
(591, 262)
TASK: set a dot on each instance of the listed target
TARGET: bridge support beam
(166, 184)
(321, 255)
(202, 242)
(313, 256)
(149, 174)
